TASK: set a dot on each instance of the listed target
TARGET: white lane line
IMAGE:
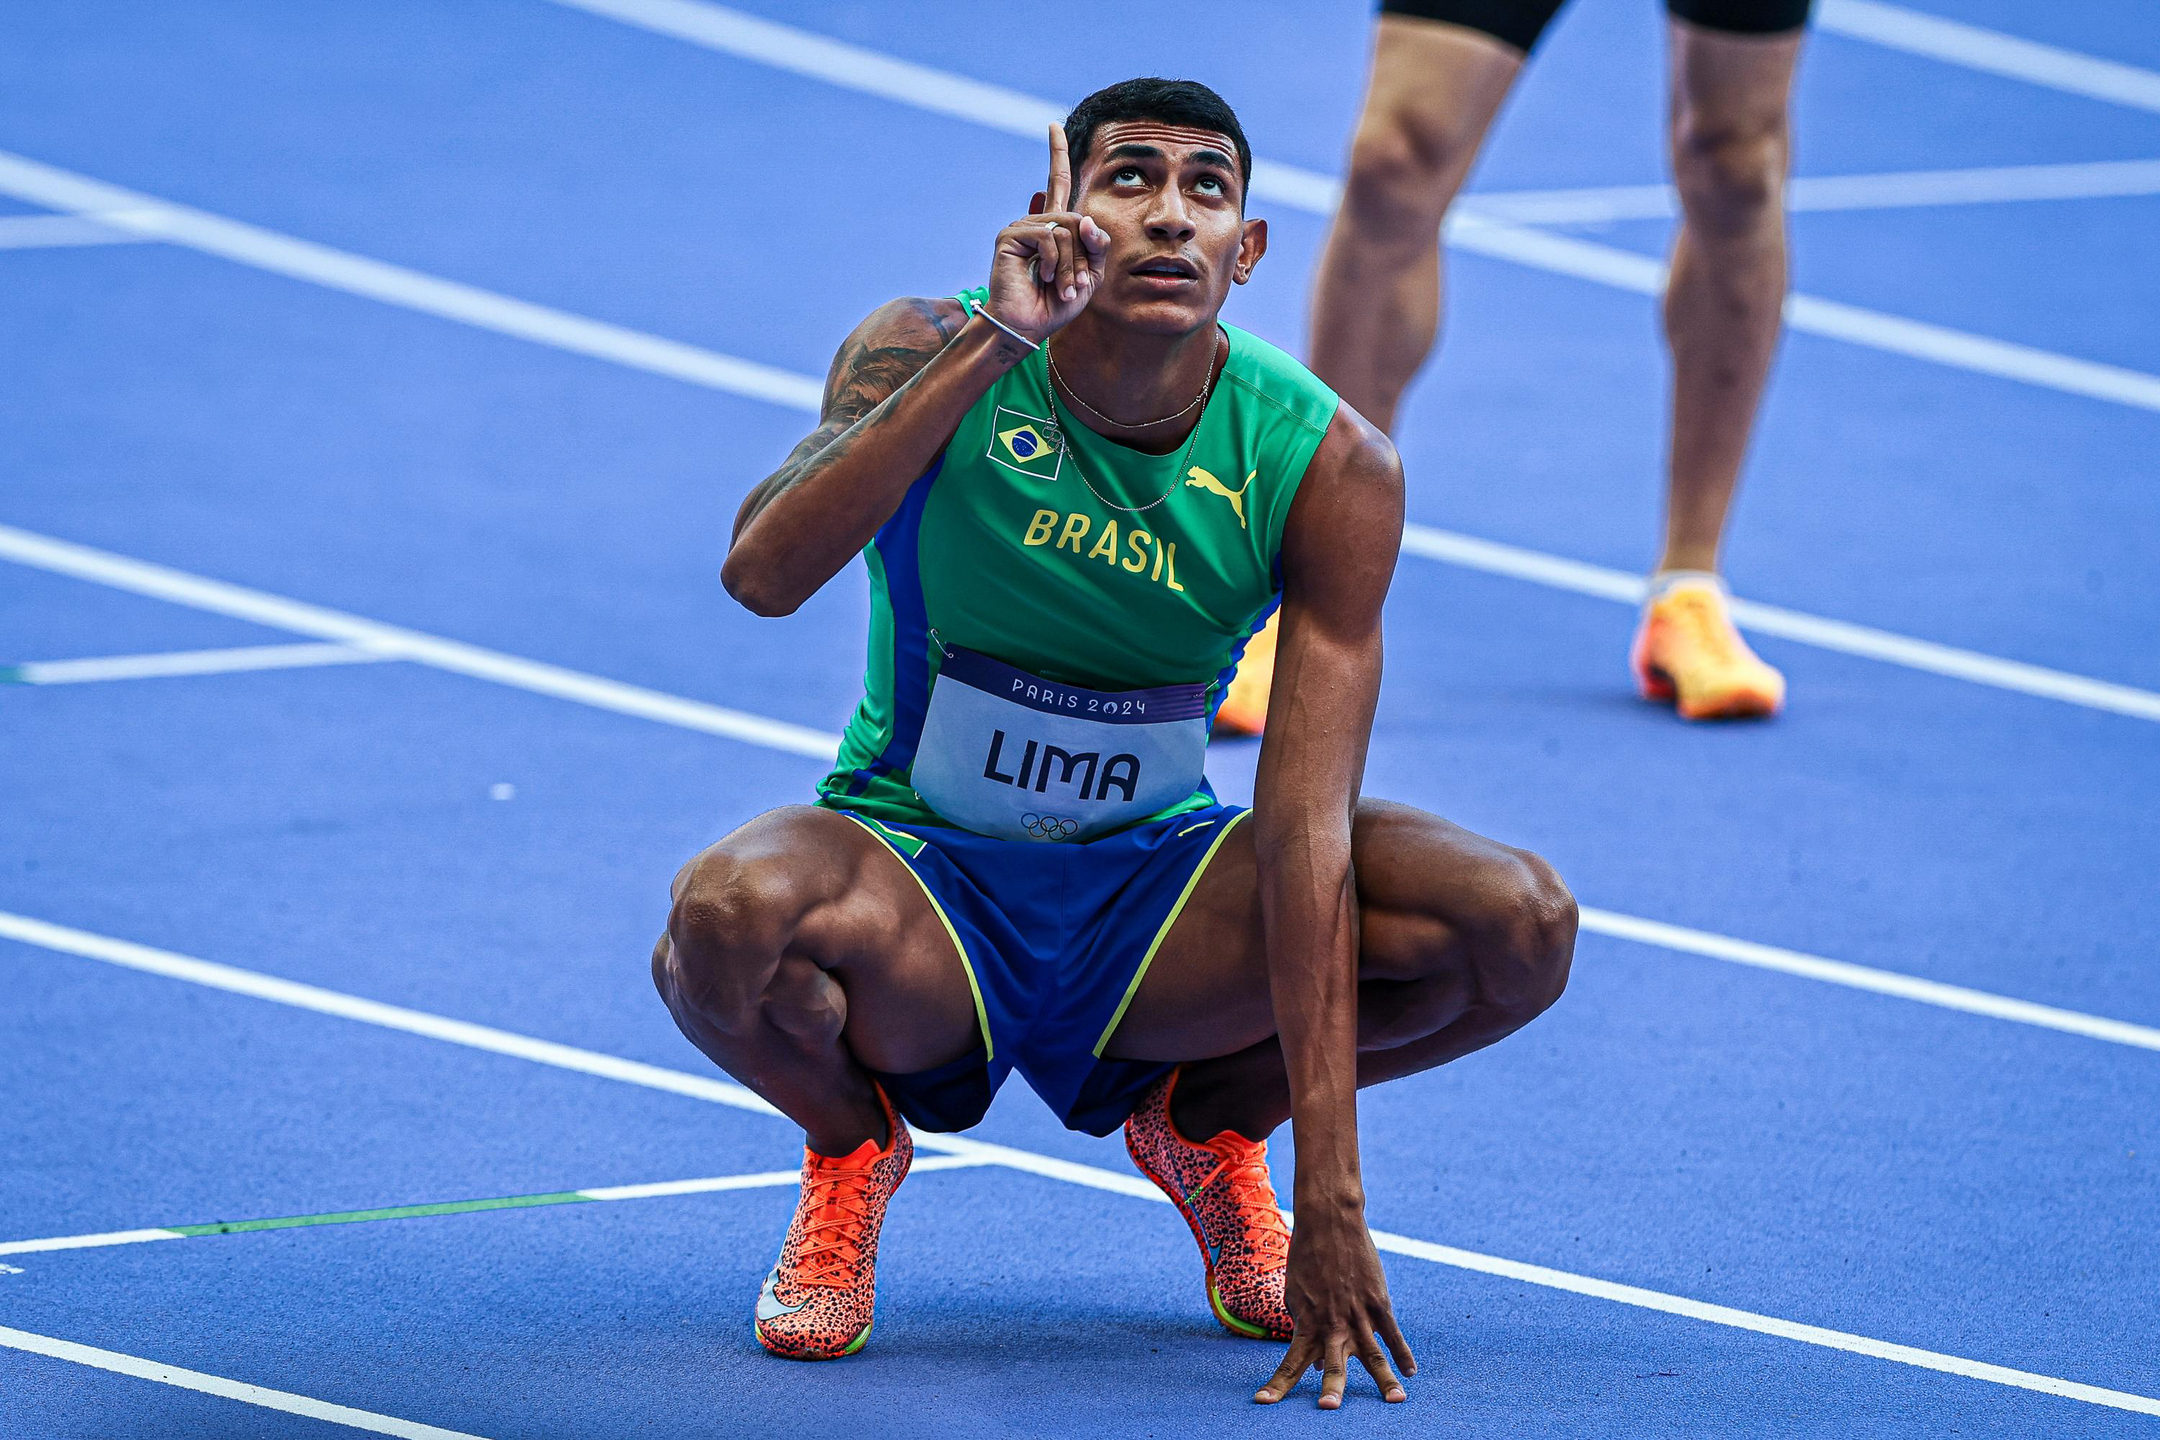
(43, 232)
(1897, 28)
(1978, 185)
(555, 682)
(224, 1389)
(185, 662)
(1865, 641)
(1726, 1315)
(567, 1057)
(395, 643)
(101, 1241)
(605, 1194)
(751, 37)
(1466, 551)
(784, 47)
(154, 219)
(1894, 190)
(1835, 320)
(1809, 314)
(717, 27)
(214, 976)
(666, 1189)
(1863, 977)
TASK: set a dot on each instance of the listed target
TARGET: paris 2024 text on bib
(1010, 754)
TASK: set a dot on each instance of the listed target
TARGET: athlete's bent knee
(1730, 176)
(729, 924)
(1532, 939)
(662, 965)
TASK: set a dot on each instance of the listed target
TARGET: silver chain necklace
(1081, 400)
(1176, 472)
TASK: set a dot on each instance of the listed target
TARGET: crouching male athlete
(1078, 495)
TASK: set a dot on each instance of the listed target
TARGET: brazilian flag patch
(1028, 444)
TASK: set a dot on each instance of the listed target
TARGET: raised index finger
(1060, 192)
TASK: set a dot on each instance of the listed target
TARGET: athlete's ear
(1040, 203)
(1250, 249)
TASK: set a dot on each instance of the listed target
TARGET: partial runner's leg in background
(1731, 145)
(1434, 90)
(1435, 87)
(1724, 308)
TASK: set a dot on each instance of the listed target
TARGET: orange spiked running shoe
(817, 1303)
(1686, 651)
(1244, 709)
(1223, 1191)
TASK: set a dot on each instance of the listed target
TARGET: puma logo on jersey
(1200, 477)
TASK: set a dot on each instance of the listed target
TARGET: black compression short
(1520, 22)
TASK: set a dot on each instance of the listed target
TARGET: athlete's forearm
(1308, 907)
(1337, 556)
(1311, 768)
(804, 522)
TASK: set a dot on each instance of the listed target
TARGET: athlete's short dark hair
(1174, 102)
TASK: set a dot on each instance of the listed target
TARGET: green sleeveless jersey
(1035, 541)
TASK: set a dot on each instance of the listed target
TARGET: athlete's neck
(1133, 378)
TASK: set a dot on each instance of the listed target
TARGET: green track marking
(393, 1212)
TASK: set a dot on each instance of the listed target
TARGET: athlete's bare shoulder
(1356, 463)
(1345, 527)
(886, 350)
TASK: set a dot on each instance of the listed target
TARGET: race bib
(1010, 754)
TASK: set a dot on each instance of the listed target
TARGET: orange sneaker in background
(1686, 651)
(1244, 710)
(817, 1302)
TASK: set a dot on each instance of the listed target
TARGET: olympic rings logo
(1050, 827)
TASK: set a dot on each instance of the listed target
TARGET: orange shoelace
(838, 1204)
(1244, 1176)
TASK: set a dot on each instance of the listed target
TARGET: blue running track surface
(1895, 1174)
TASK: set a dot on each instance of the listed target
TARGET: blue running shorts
(1055, 939)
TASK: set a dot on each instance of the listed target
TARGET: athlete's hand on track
(1339, 1298)
(1045, 268)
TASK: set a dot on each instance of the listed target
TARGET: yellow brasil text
(1142, 551)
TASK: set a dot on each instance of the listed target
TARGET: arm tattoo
(875, 364)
